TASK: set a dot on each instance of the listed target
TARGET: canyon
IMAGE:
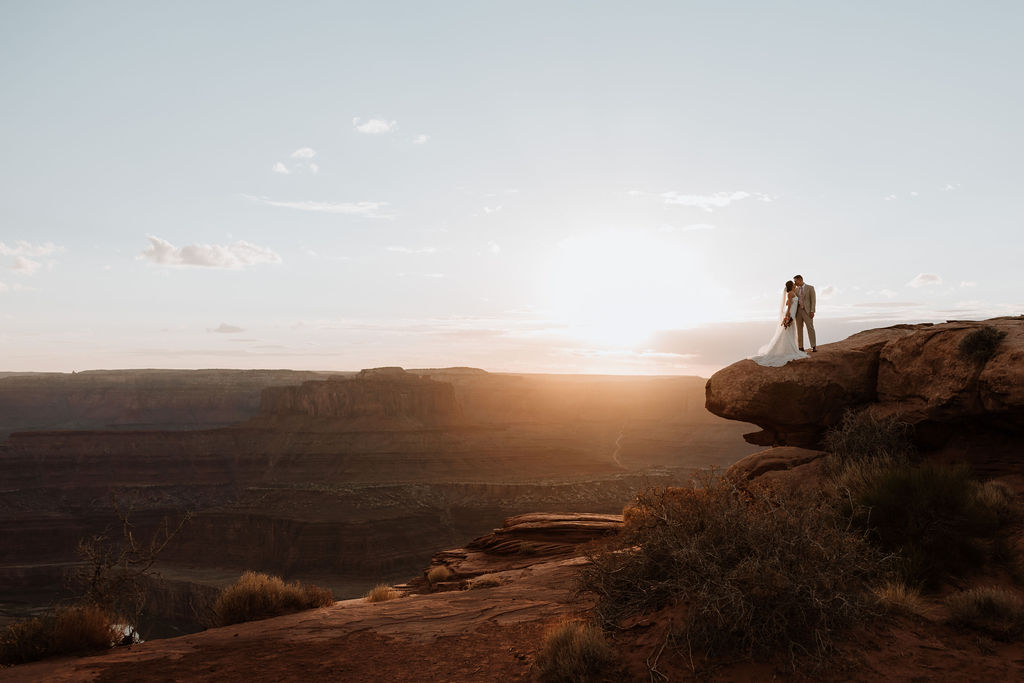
(341, 479)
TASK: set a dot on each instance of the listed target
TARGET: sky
(600, 187)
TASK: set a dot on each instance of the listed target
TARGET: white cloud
(434, 275)
(421, 139)
(890, 197)
(710, 202)
(925, 280)
(950, 187)
(314, 167)
(23, 248)
(692, 227)
(224, 328)
(968, 283)
(410, 250)
(367, 209)
(374, 126)
(281, 168)
(304, 153)
(494, 247)
(25, 265)
(232, 256)
(492, 209)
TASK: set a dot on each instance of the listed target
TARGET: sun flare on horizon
(618, 287)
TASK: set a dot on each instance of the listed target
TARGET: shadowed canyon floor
(345, 481)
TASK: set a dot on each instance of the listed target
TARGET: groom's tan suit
(804, 313)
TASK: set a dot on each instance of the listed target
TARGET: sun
(617, 287)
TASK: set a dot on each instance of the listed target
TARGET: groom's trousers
(803, 317)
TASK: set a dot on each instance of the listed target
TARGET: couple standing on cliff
(798, 303)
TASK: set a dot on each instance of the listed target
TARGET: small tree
(115, 570)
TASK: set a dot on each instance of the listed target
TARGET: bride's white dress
(782, 348)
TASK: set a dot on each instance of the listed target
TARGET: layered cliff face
(918, 372)
(136, 399)
(383, 398)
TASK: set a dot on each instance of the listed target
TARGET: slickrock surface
(914, 371)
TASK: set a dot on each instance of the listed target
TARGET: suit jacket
(807, 298)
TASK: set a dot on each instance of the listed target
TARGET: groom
(804, 312)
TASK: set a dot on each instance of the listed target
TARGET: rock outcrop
(917, 372)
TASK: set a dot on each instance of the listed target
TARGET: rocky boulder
(915, 371)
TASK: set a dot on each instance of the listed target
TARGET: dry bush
(758, 570)
(484, 582)
(862, 436)
(936, 516)
(979, 345)
(995, 611)
(69, 630)
(260, 596)
(438, 574)
(381, 593)
(896, 597)
(574, 652)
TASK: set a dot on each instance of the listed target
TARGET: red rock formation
(915, 371)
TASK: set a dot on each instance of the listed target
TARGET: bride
(782, 348)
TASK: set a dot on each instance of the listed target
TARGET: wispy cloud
(421, 139)
(707, 202)
(411, 250)
(366, 209)
(968, 283)
(23, 248)
(281, 168)
(492, 209)
(925, 280)
(234, 256)
(692, 227)
(304, 153)
(374, 126)
(25, 265)
(224, 328)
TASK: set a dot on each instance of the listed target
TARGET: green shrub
(260, 596)
(995, 611)
(758, 570)
(574, 652)
(979, 345)
(68, 630)
(381, 593)
(935, 515)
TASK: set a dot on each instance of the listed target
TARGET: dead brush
(759, 571)
(260, 596)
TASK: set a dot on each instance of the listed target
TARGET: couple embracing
(798, 304)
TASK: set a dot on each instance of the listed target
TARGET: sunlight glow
(617, 287)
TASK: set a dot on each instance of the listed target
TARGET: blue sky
(528, 186)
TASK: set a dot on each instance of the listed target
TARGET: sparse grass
(381, 593)
(862, 436)
(69, 630)
(995, 611)
(897, 598)
(758, 570)
(574, 652)
(979, 345)
(936, 516)
(261, 596)
(438, 574)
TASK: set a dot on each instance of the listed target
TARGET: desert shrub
(936, 515)
(68, 630)
(862, 436)
(757, 570)
(381, 593)
(484, 582)
(897, 597)
(528, 548)
(574, 652)
(979, 345)
(438, 574)
(995, 611)
(260, 596)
